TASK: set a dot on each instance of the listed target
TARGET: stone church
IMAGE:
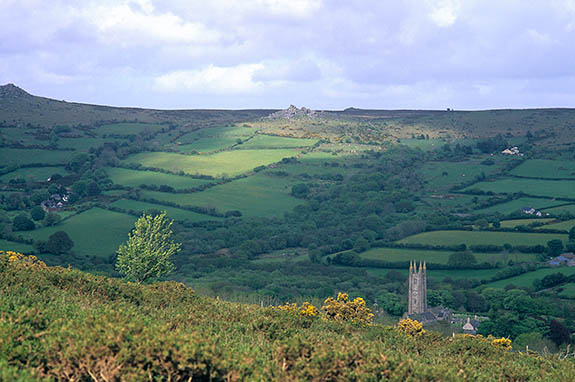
(417, 298)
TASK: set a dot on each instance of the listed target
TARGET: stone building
(417, 296)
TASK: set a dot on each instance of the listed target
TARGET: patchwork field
(228, 163)
(269, 141)
(204, 145)
(526, 279)
(481, 237)
(257, 195)
(550, 188)
(134, 178)
(517, 222)
(543, 168)
(217, 132)
(443, 175)
(173, 213)
(564, 225)
(39, 174)
(6, 245)
(95, 232)
(438, 257)
(517, 204)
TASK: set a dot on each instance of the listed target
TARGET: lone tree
(147, 252)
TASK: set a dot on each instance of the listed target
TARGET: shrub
(344, 309)
(411, 327)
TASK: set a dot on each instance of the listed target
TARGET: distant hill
(18, 107)
(63, 324)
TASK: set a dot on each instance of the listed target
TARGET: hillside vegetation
(63, 324)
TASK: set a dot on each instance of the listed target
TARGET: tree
(37, 213)
(22, 223)
(554, 247)
(59, 242)
(463, 259)
(572, 233)
(558, 333)
(147, 252)
(51, 219)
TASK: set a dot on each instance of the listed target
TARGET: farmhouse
(567, 259)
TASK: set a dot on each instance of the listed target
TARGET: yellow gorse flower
(411, 327)
(17, 257)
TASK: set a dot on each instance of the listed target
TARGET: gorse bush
(61, 324)
(411, 327)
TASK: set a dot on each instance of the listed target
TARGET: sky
(322, 54)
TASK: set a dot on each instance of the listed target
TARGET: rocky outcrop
(12, 91)
(293, 112)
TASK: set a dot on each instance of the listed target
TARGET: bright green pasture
(551, 188)
(39, 174)
(217, 132)
(517, 204)
(517, 222)
(207, 144)
(526, 279)
(128, 128)
(564, 225)
(544, 168)
(423, 144)
(257, 195)
(271, 141)
(174, 213)
(481, 237)
(6, 245)
(134, 178)
(26, 156)
(95, 232)
(439, 257)
(228, 163)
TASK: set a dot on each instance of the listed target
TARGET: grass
(228, 163)
(207, 144)
(443, 175)
(564, 225)
(38, 174)
(173, 213)
(257, 195)
(517, 204)
(570, 208)
(550, 188)
(517, 222)
(439, 257)
(526, 279)
(85, 143)
(270, 141)
(134, 178)
(567, 290)
(217, 132)
(6, 245)
(480, 238)
(95, 232)
(544, 168)
(27, 156)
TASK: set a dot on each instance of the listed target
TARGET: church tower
(417, 294)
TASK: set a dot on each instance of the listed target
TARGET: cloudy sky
(324, 54)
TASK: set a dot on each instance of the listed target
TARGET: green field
(270, 141)
(257, 195)
(27, 156)
(438, 257)
(134, 178)
(481, 237)
(95, 232)
(207, 144)
(38, 174)
(217, 132)
(128, 128)
(174, 213)
(560, 210)
(544, 168)
(517, 222)
(6, 245)
(564, 225)
(526, 279)
(550, 188)
(443, 175)
(85, 143)
(228, 163)
(517, 204)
